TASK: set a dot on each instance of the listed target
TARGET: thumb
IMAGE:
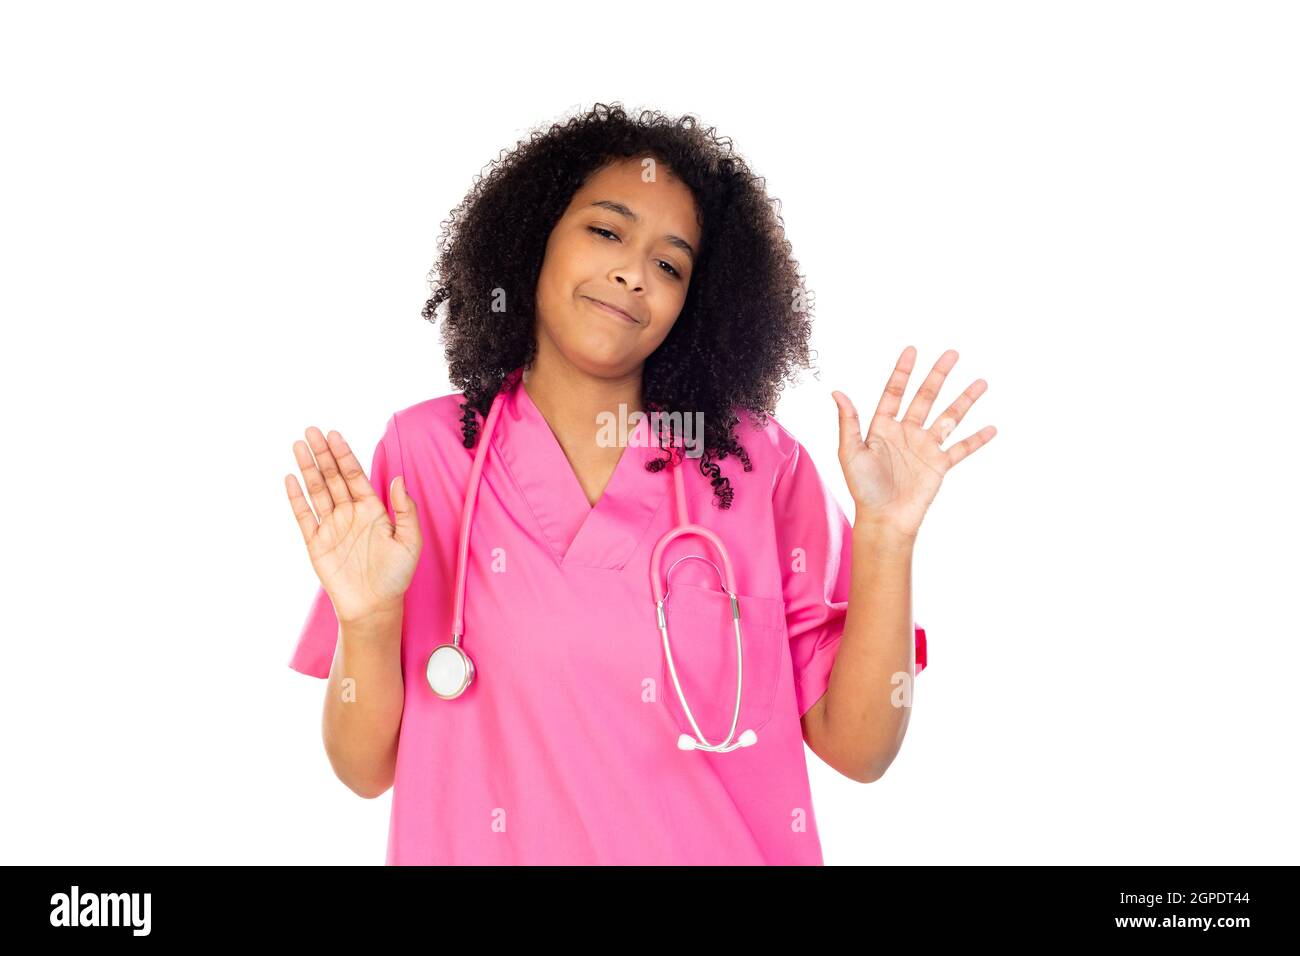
(850, 424)
(401, 501)
(408, 525)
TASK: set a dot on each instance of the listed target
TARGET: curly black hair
(746, 320)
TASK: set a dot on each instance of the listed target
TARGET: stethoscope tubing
(467, 515)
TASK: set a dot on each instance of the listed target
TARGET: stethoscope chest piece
(449, 671)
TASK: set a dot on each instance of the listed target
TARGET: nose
(619, 278)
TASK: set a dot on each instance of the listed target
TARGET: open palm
(895, 473)
(364, 561)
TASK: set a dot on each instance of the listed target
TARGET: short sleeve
(815, 547)
(314, 653)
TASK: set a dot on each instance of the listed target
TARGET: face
(628, 243)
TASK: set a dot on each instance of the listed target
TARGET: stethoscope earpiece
(728, 581)
(687, 742)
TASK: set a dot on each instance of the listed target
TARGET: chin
(602, 362)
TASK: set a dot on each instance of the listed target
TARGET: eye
(605, 232)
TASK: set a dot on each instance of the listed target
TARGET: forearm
(363, 703)
(864, 719)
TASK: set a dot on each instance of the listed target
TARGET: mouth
(612, 310)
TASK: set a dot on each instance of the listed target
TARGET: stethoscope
(450, 670)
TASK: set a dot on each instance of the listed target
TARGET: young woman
(621, 311)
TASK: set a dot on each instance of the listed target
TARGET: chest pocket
(703, 643)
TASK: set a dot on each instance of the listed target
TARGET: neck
(570, 399)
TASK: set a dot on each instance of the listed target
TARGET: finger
(929, 390)
(893, 395)
(955, 412)
(405, 515)
(354, 476)
(321, 499)
(329, 468)
(307, 522)
(963, 448)
(850, 425)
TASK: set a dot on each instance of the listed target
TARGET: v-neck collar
(579, 534)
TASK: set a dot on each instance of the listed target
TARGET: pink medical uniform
(563, 750)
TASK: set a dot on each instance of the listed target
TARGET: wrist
(375, 618)
(881, 535)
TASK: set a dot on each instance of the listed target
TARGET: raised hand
(896, 472)
(364, 561)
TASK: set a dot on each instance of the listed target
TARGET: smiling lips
(604, 307)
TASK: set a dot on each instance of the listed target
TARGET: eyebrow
(623, 210)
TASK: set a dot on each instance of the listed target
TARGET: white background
(217, 225)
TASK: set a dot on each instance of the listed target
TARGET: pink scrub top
(564, 748)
